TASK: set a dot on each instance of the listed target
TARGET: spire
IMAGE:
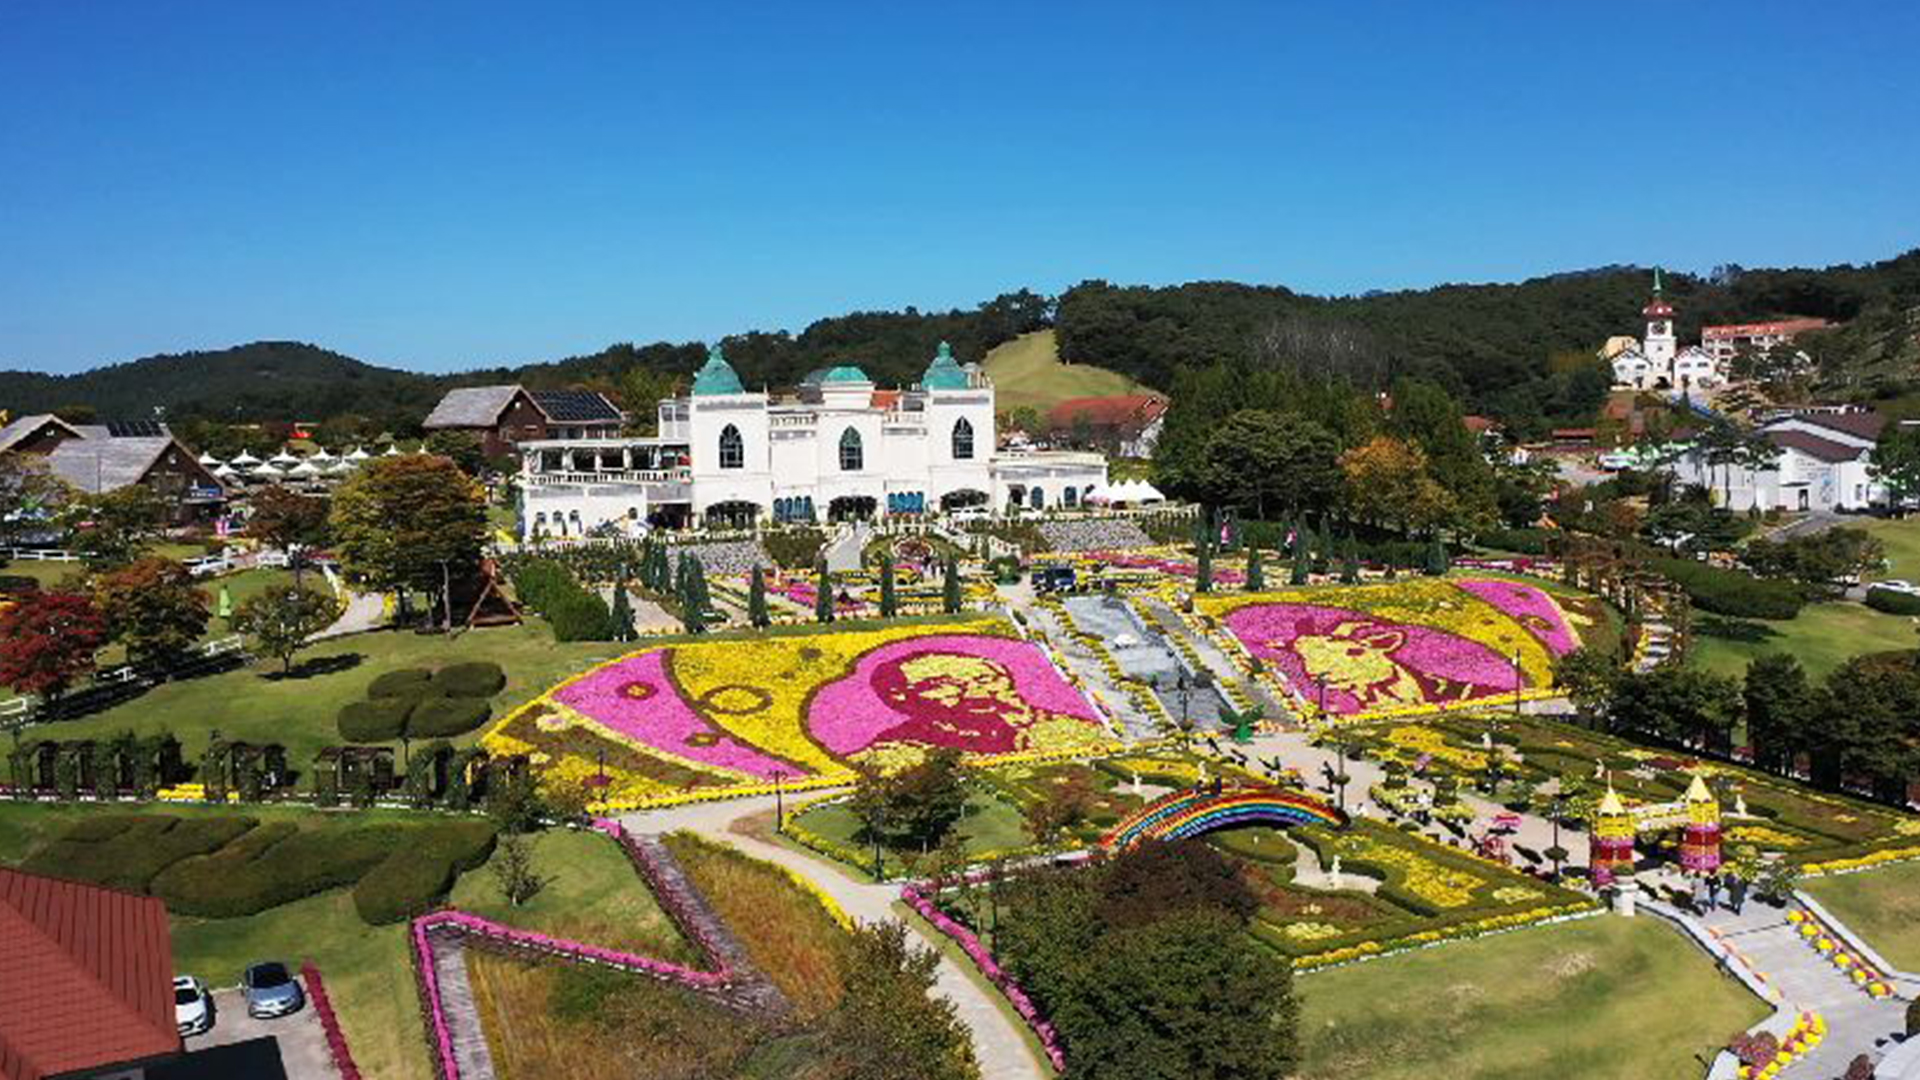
(717, 376)
(944, 373)
(1656, 281)
(1610, 802)
(1697, 791)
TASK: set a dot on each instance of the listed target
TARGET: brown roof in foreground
(1129, 411)
(88, 977)
(1862, 424)
(1813, 445)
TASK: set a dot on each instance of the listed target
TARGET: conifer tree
(622, 615)
(950, 589)
(1350, 571)
(1256, 573)
(1437, 557)
(888, 605)
(1203, 577)
(757, 598)
(822, 593)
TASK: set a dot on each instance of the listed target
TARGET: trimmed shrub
(445, 716)
(408, 882)
(275, 864)
(473, 679)
(1893, 603)
(581, 616)
(127, 851)
(1732, 592)
(379, 720)
(405, 682)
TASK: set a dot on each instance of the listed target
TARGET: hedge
(404, 682)
(574, 613)
(446, 716)
(127, 851)
(1733, 592)
(472, 679)
(379, 720)
(410, 880)
(276, 864)
(1893, 603)
(1518, 541)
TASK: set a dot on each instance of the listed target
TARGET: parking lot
(234, 1048)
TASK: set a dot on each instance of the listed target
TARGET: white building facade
(1658, 362)
(839, 448)
(1823, 462)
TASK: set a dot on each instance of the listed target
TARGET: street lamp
(1322, 680)
(1516, 683)
(779, 803)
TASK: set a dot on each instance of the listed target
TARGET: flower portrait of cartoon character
(1357, 658)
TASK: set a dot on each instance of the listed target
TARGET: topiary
(409, 881)
(404, 682)
(473, 679)
(379, 720)
(444, 716)
(1891, 602)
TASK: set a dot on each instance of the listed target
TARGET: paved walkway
(364, 611)
(997, 1043)
(844, 550)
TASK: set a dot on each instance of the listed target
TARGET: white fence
(17, 712)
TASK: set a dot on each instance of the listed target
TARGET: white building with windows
(1822, 461)
(839, 448)
(1658, 362)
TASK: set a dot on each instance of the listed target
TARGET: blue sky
(447, 185)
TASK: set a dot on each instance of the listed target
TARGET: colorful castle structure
(1700, 843)
(1611, 850)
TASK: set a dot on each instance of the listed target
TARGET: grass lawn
(257, 705)
(1599, 999)
(1882, 906)
(991, 824)
(1027, 372)
(592, 894)
(1902, 541)
(1822, 636)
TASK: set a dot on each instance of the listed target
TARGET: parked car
(271, 990)
(192, 1005)
(1897, 585)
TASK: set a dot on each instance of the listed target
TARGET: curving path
(998, 1042)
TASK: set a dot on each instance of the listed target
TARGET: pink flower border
(977, 951)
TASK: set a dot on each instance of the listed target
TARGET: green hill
(1027, 372)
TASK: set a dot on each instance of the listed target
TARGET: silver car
(271, 990)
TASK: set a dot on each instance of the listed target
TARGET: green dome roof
(845, 373)
(944, 373)
(717, 376)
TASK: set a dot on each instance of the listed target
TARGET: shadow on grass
(319, 665)
(1734, 629)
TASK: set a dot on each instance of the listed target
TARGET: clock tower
(1660, 344)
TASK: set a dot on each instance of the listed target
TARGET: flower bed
(337, 1047)
(705, 719)
(970, 943)
(1831, 945)
(1418, 646)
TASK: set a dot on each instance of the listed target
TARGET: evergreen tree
(1436, 557)
(622, 609)
(697, 583)
(1203, 579)
(693, 615)
(757, 598)
(822, 593)
(1302, 566)
(1256, 574)
(1350, 568)
(950, 589)
(888, 605)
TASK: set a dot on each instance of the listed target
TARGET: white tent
(340, 468)
(393, 450)
(267, 472)
(245, 460)
(321, 457)
(283, 460)
(209, 460)
(306, 470)
(357, 454)
(225, 472)
(1099, 493)
(1146, 493)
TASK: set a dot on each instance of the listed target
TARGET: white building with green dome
(836, 448)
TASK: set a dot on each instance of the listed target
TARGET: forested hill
(1520, 352)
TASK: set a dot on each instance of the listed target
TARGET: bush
(405, 682)
(408, 882)
(474, 679)
(273, 865)
(582, 616)
(1732, 592)
(1518, 541)
(127, 851)
(1893, 603)
(379, 720)
(442, 717)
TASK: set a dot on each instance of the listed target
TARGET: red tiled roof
(1479, 425)
(1788, 327)
(1813, 445)
(1863, 424)
(885, 399)
(1121, 410)
(89, 977)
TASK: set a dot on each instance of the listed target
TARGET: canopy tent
(245, 460)
(283, 460)
(321, 457)
(209, 460)
(357, 454)
(267, 472)
(225, 472)
(392, 450)
(306, 470)
(1098, 493)
(340, 468)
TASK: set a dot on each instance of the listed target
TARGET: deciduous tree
(112, 529)
(48, 641)
(280, 621)
(411, 521)
(153, 608)
(888, 1024)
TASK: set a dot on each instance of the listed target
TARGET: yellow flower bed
(1436, 884)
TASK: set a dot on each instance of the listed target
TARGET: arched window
(962, 440)
(851, 458)
(733, 449)
(1038, 498)
(1067, 496)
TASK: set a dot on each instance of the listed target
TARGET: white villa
(838, 449)
(1822, 464)
(1658, 362)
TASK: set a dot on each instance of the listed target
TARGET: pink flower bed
(1129, 561)
(976, 950)
(637, 698)
(1369, 664)
(806, 594)
(969, 692)
(337, 1046)
(1532, 608)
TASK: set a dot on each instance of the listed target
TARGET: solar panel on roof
(135, 429)
(575, 406)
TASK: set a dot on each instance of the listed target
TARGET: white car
(1897, 585)
(192, 1005)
